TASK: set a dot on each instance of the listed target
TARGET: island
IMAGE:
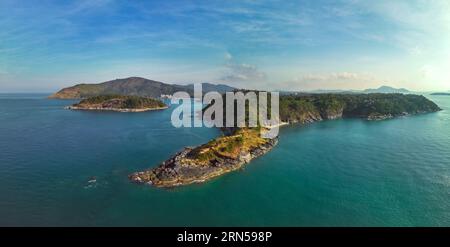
(119, 103)
(441, 94)
(133, 86)
(238, 146)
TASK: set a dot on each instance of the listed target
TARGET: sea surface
(335, 173)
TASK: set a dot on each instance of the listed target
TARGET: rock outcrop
(187, 166)
(240, 145)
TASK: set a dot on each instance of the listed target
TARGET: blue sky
(281, 45)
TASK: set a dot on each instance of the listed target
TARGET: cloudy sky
(281, 45)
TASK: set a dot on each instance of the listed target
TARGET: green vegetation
(297, 108)
(242, 140)
(131, 86)
(120, 102)
(240, 145)
(309, 108)
(306, 108)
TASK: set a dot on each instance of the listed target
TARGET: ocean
(348, 172)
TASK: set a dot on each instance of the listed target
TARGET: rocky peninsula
(118, 103)
(217, 157)
(239, 146)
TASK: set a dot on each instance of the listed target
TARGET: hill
(132, 86)
(306, 109)
(387, 89)
(209, 87)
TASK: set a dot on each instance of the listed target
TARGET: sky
(271, 45)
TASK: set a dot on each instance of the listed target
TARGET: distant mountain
(387, 89)
(132, 86)
(441, 94)
(335, 91)
(209, 87)
(383, 89)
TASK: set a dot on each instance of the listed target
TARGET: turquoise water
(336, 173)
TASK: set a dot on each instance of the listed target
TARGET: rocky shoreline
(238, 146)
(114, 109)
(381, 117)
(311, 118)
(181, 169)
(184, 169)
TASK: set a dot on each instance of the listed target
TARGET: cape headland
(219, 156)
(239, 146)
(377, 106)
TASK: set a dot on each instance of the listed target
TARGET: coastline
(181, 169)
(114, 109)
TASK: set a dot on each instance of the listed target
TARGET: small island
(119, 103)
(441, 94)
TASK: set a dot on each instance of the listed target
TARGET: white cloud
(416, 51)
(415, 23)
(335, 80)
(228, 56)
(437, 75)
(329, 77)
(242, 73)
